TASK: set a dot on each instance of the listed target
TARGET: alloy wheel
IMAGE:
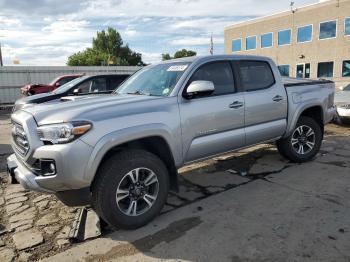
(137, 191)
(303, 139)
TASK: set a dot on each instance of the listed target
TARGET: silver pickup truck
(121, 152)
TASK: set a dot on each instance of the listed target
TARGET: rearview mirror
(199, 88)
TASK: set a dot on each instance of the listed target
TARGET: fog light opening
(48, 167)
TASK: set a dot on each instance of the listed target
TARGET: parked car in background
(34, 89)
(121, 152)
(84, 85)
(342, 102)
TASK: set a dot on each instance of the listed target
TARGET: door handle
(277, 98)
(236, 104)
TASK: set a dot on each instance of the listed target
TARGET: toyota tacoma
(120, 153)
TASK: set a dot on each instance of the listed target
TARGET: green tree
(179, 54)
(107, 49)
(166, 57)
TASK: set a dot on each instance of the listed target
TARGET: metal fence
(14, 77)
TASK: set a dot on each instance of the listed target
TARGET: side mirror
(199, 88)
(77, 91)
(57, 84)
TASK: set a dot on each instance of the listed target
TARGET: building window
(284, 70)
(346, 68)
(266, 40)
(307, 70)
(236, 45)
(251, 42)
(284, 37)
(304, 34)
(328, 29)
(325, 69)
(300, 71)
(347, 26)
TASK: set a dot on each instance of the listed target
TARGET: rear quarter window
(255, 75)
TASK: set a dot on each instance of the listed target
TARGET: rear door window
(255, 75)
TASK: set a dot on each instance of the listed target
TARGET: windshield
(157, 80)
(347, 88)
(64, 88)
(54, 81)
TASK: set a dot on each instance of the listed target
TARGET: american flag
(211, 47)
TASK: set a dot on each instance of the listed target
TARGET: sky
(46, 32)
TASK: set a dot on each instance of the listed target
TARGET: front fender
(122, 136)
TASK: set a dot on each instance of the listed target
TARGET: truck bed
(290, 81)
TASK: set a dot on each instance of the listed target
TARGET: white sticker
(177, 68)
(166, 91)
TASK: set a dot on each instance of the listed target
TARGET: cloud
(66, 26)
(193, 41)
(46, 32)
(185, 8)
(150, 58)
(9, 21)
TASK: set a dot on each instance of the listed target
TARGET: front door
(213, 124)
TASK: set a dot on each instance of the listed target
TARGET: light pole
(1, 64)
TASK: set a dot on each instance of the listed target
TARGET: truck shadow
(205, 180)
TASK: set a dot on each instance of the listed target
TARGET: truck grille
(20, 139)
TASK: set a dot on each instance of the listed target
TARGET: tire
(115, 173)
(302, 145)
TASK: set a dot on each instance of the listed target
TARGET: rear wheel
(131, 189)
(304, 142)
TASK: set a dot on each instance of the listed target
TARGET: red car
(33, 89)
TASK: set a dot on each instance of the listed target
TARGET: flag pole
(211, 48)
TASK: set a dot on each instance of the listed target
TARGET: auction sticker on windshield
(177, 68)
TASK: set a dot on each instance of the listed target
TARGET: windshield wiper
(138, 92)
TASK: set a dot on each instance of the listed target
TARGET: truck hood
(35, 99)
(91, 108)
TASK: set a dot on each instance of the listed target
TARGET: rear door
(265, 101)
(213, 124)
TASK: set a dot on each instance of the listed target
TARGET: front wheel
(304, 142)
(130, 189)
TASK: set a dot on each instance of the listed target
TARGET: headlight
(63, 133)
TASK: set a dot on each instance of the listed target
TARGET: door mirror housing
(199, 88)
(77, 91)
(57, 84)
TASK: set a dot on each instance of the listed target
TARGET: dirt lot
(250, 205)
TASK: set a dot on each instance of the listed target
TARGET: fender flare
(122, 136)
(298, 112)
